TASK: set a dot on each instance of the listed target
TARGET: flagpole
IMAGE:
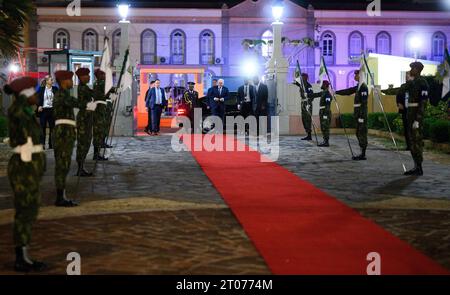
(384, 113)
(337, 106)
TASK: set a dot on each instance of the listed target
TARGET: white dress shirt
(48, 98)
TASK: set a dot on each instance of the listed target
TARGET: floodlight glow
(277, 10)
(13, 68)
(250, 68)
(415, 42)
(123, 10)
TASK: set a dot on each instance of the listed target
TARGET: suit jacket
(42, 92)
(215, 93)
(209, 95)
(241, 94)
(151, 98)
(262, 97)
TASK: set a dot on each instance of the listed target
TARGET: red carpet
(299, 229)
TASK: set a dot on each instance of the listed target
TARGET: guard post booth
(72, 60)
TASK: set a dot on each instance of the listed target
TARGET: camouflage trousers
(84, 134)
(325, 122)
(64, 141)
(416, 141)
(25, 181)
(306, 117)
(99, 125)
(361, 133)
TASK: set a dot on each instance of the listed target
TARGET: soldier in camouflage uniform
(64, 134)
(324, 112)
(359, 113)
(25, 168)
(101, 115)
(307, 101)
(84, 120)
(417, 91)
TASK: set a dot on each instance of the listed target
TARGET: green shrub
(440, 131)
(427, 122)
(437, 112)
(378, 121)
(3, 126)
(391, 117)
(398, 126)
(347, 121)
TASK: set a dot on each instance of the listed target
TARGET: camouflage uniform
(84, 122)
(101, 122)
(24, 177)
(325, 114)
(307, 103)
(359, 111)
(64, 135)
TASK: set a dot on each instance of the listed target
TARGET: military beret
(357, 72)
(325, 83)
(98, 72)
(23, 85)
(82, 72)
(191, 83)
(417, 64)
(63, 75)
(305, 75)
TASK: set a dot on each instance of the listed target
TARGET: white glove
(239, 107)
(113, 97)
(222, 99)
(91, 106)
(325, 117)
(216, 99)
(415, 125)
(26, 152)
(361, 120)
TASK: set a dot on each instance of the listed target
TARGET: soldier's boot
(81, 171)
(362, 156)
(25, 264)
(105, 145)
(325, 143)
(61, 200)
(307, 137)
(97, 156)
(417, 170)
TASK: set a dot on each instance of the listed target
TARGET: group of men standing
(411, 98)
(28, 162)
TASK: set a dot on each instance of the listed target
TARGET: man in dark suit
(260, 106)
(209, 95)
(156, 102)
(220, 95)
(149, 112)
(246, 99)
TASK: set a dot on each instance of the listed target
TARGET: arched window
(61, 39)
(207, 47)
(267, 49)
(383, 43)
(116, 43)
(328, 41)
(148, 47)
(438, 46)
(178, 47)
(90, 40)
(355, 46)
(351, 79)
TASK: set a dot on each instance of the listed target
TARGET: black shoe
(61, 200)
(97, 156)
(24, 264)
(359, 158)
(308, 137)
(106, 146)
(416, 172)
(81, 172)
(324, 144)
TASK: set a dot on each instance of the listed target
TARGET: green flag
(446, 80)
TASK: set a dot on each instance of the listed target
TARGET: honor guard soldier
(324, 112)
(415, 101)
(359, 113)
(84, 120)
(25, 168)
(102, 115)
(307, 103)
(64, 135)
(191, 101)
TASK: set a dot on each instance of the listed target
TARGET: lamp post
(415, 42)
(124, 34)
(277, 67)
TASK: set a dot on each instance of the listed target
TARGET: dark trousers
(46, 117)
(219, 111)
(260, 113)
(149, 120)
(156, 117)
(405, 128)
(246, 110)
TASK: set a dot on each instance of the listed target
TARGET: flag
(105, 66)
(364, 72)
(446, 80)
(323, 71)
(127, 77)
(298, 74)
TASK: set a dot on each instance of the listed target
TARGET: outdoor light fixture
(13, 68)
(123, 11)
(250, 68)
(415, 42)
(277, 10)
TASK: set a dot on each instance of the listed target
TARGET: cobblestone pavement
(152, 210)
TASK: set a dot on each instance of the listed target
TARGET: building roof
(391, 5)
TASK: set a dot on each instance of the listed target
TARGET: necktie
(220, 91)
(158, 96)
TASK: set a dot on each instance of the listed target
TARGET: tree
(13, 17)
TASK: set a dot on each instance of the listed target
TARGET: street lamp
(123, 10)
(277, 10)
(415, 43)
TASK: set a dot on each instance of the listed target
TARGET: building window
(178, 47)
(355, 46)
(207, 80)
(178, 80)
(383, 43)
(90, 40)
(148, 47)
(61, 39)
(267, 49)
(328, 43)
(207, 47)
(116, 44)
(438, 46)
